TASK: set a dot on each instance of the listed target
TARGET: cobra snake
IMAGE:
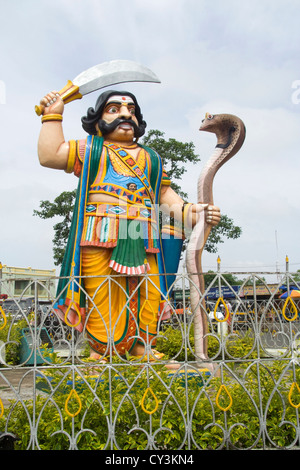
(230, 132)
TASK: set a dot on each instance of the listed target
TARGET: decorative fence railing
(53, 396)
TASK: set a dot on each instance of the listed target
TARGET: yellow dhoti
(122, 310)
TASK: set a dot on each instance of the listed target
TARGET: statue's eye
(112, 109)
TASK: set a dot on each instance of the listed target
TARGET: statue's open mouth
(106, 128)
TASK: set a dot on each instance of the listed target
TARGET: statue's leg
(107, 315)
(149, 303)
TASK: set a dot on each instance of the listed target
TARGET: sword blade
(111, 73)
(101, 76)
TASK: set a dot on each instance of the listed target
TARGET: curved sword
(101, 76)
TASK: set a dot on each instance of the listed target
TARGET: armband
(71, 157)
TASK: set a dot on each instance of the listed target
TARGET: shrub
(175, 345)
(130, 406)
(11, 334)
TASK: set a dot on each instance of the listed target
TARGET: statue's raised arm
(53, 151)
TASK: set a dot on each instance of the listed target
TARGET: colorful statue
(115, 223)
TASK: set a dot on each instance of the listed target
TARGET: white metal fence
(53, 396)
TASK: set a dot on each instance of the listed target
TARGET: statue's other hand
(213, 215)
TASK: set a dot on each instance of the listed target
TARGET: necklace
(121, 168)
(133, 146)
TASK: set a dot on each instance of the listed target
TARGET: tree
(175, 155)
(224, 229)
(227, 278)
(62, 206)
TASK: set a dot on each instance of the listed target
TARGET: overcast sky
(238, 57)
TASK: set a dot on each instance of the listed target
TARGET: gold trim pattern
(121, 168)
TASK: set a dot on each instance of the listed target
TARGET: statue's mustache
(106, 127)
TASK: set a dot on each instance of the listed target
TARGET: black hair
(93, 115)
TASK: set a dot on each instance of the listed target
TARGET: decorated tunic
(105, 168)
(129, 225)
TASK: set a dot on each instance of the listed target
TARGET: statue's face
(121, 108)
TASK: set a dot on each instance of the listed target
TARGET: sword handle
(68, 93)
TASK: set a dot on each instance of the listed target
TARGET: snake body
(230, 133)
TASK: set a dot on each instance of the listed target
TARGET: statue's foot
(173, 365)
(97, 357)
(138, 351)
(94, 356)
(201, 366)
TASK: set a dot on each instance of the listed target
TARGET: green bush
(11, 334)
(175, 345)
(128, 406)
(118, 410)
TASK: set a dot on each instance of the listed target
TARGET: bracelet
(185, 207)
(52, 117)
